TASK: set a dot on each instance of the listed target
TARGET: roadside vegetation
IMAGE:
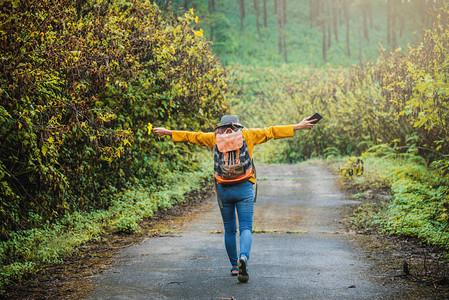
(392, 114)
(401, 195)
(82, 84)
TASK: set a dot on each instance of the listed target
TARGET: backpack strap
(220, 202)
(255, 179)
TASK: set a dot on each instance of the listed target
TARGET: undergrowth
(402, 195)
(26, 252)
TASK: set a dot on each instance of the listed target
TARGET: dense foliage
(399, 103)
(402, 100)
(29, 251)
(82, 84)
(420, 197)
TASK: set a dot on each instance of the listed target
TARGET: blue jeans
(238, 197)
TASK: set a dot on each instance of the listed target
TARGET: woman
(237, 196)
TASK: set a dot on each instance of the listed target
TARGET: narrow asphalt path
(299, 250)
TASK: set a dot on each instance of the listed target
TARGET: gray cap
(230, 119)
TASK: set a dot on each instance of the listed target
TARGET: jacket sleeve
(261, 135)
(200, 138)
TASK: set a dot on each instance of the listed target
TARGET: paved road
(301, 254)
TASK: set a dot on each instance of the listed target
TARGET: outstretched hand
(305, 124)
(160, 131)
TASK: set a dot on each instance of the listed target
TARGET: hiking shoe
(243, 272)
(235, 270)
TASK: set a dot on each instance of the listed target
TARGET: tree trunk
(401, 18)
(369, 10)
(389, 22)
(347, 15)
(365, 20)
(328, 23)
(359, 36)
(256, 8)
(311, 12)
(393, 24)
(323, 31)
(315, 9)
(321, 19)
(275, 7)
(285, 50)
(341, 12)
(242, 13)
(335, 19)
(265, 13)
(279, 17)
(284, 13)
(423, 11)
(282, 44)
(211, 12)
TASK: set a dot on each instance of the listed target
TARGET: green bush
(127, 224)
(419, 201)
(83, 84)
(396, 108)
(28, 251)
(401, 101)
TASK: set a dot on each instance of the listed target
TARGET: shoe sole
(243, 273)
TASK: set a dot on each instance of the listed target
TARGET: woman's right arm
(199, 138)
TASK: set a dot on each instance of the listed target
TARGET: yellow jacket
(252, 137)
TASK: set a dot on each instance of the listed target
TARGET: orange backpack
(232, 162)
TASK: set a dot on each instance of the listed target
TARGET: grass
(401, 196)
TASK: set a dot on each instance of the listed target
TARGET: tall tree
(341, 12)
(284, 12)
(388, 22)
(322, 22)
(335, 6)
(211, 17)
(423, 11)
(315, 10)
(328, 23)
(364, 9)
(265, 13)
(311, 12)
(394, 15)
(279, 18)
(257, 10)
(242, 13)
(401, 17)
(347, 16)
(359, 35)
(369, 9)
(282, 44)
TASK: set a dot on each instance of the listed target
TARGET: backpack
(232, 162)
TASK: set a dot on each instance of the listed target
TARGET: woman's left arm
(258, 136)
(305, 124)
